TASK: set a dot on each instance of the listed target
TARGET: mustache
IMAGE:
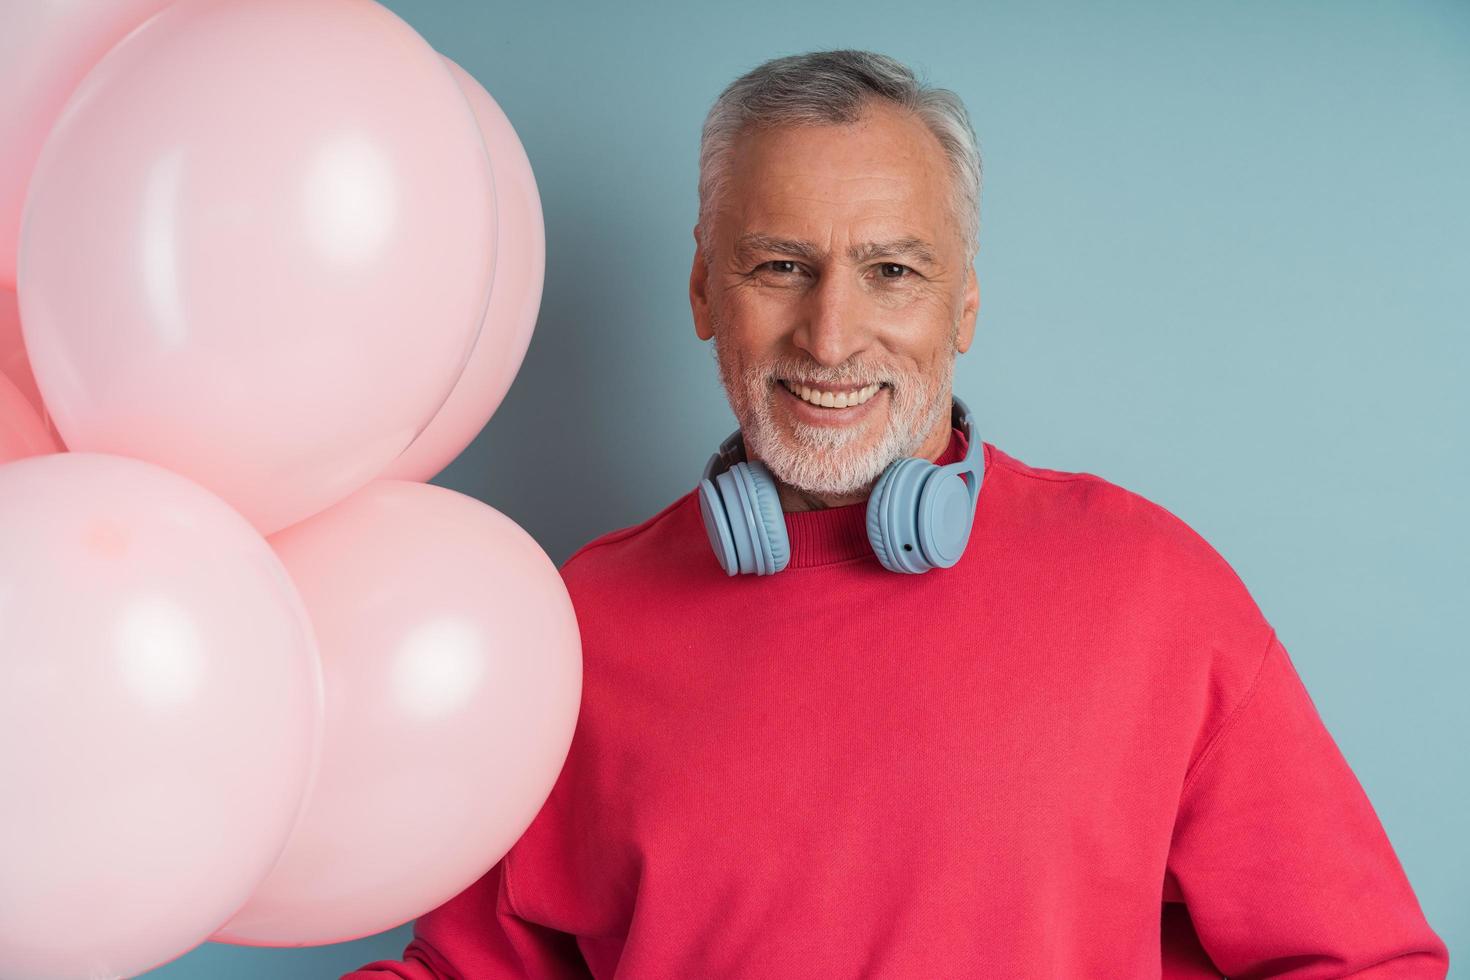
(810, 371)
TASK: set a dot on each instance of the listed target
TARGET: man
(934, 735)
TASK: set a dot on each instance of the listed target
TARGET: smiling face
(837, 290)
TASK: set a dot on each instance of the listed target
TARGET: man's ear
(966, 332)
(699, 291)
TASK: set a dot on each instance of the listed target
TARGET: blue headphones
(918, 519)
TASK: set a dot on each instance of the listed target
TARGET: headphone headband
(731, 451)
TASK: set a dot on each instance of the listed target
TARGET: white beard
(826, 460)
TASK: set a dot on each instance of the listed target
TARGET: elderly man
(877, 699)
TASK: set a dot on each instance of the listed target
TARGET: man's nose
(834, 322)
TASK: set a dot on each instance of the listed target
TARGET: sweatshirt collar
(833, 534)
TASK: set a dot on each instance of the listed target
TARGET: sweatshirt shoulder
(1118, 527)
(1096, 506)
(626, 550)
(1140, 557)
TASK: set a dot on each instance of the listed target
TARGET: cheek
(754, 324)
(761, 310)
(918, 347)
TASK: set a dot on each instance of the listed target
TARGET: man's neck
(794, 499)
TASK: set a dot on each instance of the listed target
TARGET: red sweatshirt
(1001, 769)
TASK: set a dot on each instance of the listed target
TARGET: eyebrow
(907, 247)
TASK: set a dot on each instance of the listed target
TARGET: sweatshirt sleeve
(1281, 859)
(477, 934)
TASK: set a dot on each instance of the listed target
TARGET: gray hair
(831, 87)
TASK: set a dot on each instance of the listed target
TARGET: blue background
(1224, 263)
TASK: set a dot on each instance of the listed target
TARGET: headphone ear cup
(740, 478)
(893, 515)
(943, 519)
(717, 526)
(875, 518)
(741, 520)
(770, 521)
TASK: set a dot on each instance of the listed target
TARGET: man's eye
(892, 270)
(781, 266)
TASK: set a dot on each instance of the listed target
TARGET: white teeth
(828, 399)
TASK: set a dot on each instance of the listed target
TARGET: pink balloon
(453, 679)
(22, 433)
(14, 364)
(283, 215)
(160, 710)
(45, 49)
(515, 298)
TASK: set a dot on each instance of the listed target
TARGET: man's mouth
(832, 396)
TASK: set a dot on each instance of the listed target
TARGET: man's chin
(822, 471)
(832, 445)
